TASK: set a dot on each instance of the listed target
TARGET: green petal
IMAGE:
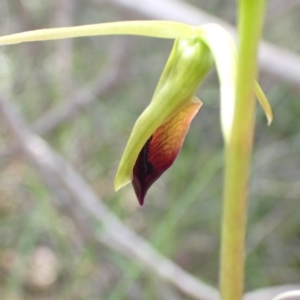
(160, 29)
(189, 62)
(223, 49)
(224, 52)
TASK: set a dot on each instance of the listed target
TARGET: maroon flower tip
(144, 172)
(161, 150)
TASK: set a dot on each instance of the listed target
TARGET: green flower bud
(188, 64)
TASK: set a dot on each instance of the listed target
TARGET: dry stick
(274, 60)
(82, 201)
(270, 293)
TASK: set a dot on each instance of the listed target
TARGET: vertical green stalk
(238, 153)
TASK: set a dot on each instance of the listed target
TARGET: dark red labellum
(161, 149)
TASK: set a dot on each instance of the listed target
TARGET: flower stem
(238, 153)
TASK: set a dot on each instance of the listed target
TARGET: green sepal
(225, 56)
(159, 29)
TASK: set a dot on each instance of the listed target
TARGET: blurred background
(83, 97)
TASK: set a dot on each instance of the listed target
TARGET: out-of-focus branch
(274, 60)
(270, 293)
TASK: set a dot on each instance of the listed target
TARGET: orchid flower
(159, 132)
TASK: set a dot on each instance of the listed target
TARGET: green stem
(238, 153)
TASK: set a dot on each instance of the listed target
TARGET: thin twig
(269, 293)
